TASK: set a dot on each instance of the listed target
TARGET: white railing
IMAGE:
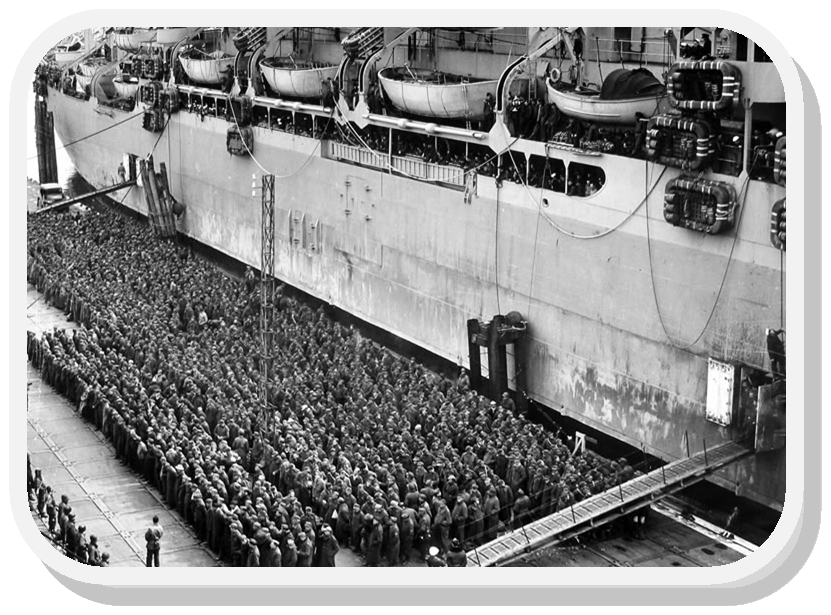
(359, 155)
(405, 165)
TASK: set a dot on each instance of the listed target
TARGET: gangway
(607, 506)
(77, 199)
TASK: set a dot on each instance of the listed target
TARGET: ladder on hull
(607, 506)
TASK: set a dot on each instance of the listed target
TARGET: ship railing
(648, 49)
(359, 155)
(407, 166)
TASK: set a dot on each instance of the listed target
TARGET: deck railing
(405, 165)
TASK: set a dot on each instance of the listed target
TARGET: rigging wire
(121, 202)
(97, 132)
(743, 192)
(262, 168)
(496, 249)
(573, 235)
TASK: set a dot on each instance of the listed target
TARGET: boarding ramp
(607, 506)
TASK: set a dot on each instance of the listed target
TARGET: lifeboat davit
(624, 96)
(297, 79)
(204, 67)
(132, 41)
(436, 94)
(126, 86)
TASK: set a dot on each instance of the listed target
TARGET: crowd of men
(362, 449)
(69, 536)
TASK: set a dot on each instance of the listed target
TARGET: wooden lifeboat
(82, 83)
(296, 79)
(436, 94)
(133, 40)
(624, 96)
(204, 67)
(68, 50)
(126, 86)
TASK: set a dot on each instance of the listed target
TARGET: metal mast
(266, 297)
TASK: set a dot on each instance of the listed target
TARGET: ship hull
(418, 261)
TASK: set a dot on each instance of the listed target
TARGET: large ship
(617, 194)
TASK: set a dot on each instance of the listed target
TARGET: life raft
(779, 164)
(151, 94)
(777, 224)
(171, 100)
(151, 67)
(680, 142)
(700, 204)
(153, 120)
(240, 140)
(240, 110)
(704, 85)
(136, 68)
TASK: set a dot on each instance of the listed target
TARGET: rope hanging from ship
(152, 151)
(743, 192)
(595, 235)
(97, 132)
(266, 171)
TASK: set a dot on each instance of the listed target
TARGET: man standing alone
(153, 536)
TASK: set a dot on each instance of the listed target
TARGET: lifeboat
(134, 39)
(624, 96)
(705, 85)
(90, 66)
(69, 50)
(777, 224)
(700, 204)
(680, 142)
(171, 36)
(82, 83)
(204, 67)
(436, 94)
(126, 86)
(296, 79)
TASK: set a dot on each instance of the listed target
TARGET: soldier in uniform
(434, 560)
(153, 537)
(253, 558)
(304, 551)
(329, 548)
(393, 542)
(373, 545)
(456, 557)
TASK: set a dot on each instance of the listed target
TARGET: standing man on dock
(153, 536)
